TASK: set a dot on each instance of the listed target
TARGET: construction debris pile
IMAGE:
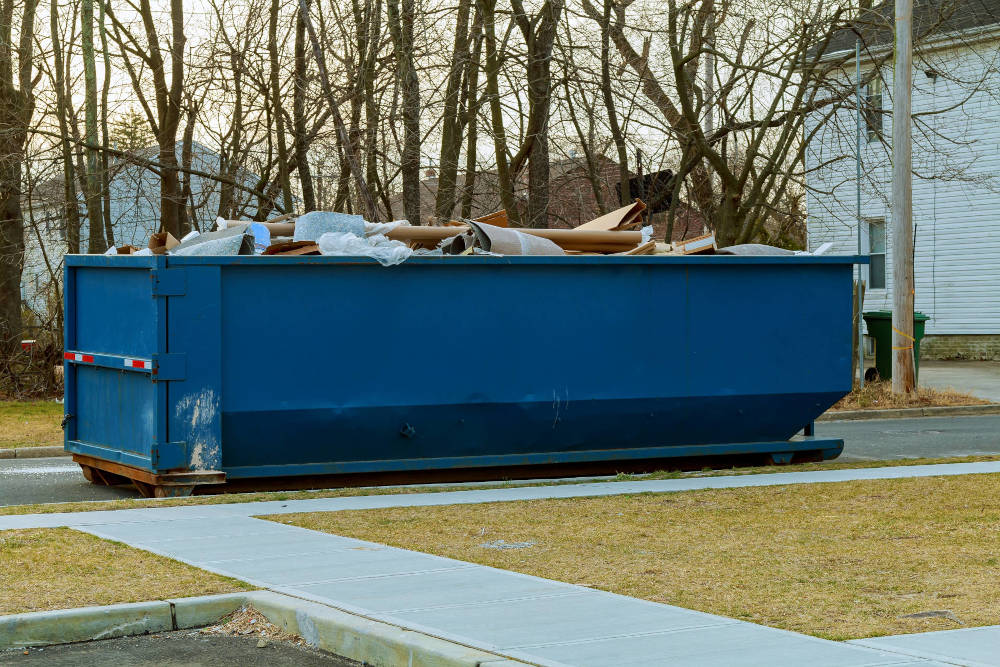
(620, 232)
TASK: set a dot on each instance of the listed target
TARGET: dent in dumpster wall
(200, 411)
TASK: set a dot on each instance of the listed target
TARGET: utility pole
(859, 290)
(903, 372)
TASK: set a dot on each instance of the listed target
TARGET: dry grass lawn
(30, 424)
(879, 396)
(841, 561)
(59, 568)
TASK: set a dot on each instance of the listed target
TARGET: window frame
(874, 111)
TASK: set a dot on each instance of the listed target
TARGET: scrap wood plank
(646, 248)
(697, 246)
(293, 248)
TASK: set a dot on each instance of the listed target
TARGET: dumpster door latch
(168, 282)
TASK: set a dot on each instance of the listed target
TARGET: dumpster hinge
(169, 455)
(168, 282)
(169, 366)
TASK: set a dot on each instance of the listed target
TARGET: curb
(339, 632)
(907, 413)
(33, 452)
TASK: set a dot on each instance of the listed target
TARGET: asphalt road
(52, 480)
(885, 439)
(25, 481)
(174, 649)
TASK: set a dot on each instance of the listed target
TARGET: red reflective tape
(73, 356)
(87, 358)
(69, 355)
(138, 363)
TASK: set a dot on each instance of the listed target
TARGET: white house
(135, 215)
(956, 162)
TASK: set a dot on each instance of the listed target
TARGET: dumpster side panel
(330, 363)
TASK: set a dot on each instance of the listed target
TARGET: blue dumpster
(183, 371)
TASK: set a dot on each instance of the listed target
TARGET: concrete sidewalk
(523, 617)
(518, 616)
(974, 647)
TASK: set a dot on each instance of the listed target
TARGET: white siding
(956, 202)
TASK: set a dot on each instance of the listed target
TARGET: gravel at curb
(333, 630)
(908, 413)
(33, 452)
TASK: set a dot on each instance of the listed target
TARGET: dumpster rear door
(115, 355)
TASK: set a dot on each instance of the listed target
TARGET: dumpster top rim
(569, 260)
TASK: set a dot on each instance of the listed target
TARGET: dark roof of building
(930, 18)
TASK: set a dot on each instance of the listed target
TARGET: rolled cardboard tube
(567, 239)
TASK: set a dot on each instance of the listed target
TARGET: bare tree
(96, 242)
(451, 121)
(165, 119)
(17, 104)
(300, 84)
(401, 14)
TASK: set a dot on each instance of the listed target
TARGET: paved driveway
(979, 378)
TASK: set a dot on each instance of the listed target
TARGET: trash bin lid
(887, 315)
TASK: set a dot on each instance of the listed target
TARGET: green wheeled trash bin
(879, 324)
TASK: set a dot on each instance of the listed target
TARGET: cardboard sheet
(626, 217)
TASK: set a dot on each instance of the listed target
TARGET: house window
(873, 108)
(876, 252)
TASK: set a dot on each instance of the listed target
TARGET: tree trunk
(472, 115)
(609, 106)
(95, 214)
(401, 29)
(229, 162)
(488, 7)
(279, 121)
(17, 105)
(105, 90)
(11, 234)
(171, 199)
(451, 134)
(187, 155)
(539, 94)
(368, 18)
(71, 211)
(299, 116)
